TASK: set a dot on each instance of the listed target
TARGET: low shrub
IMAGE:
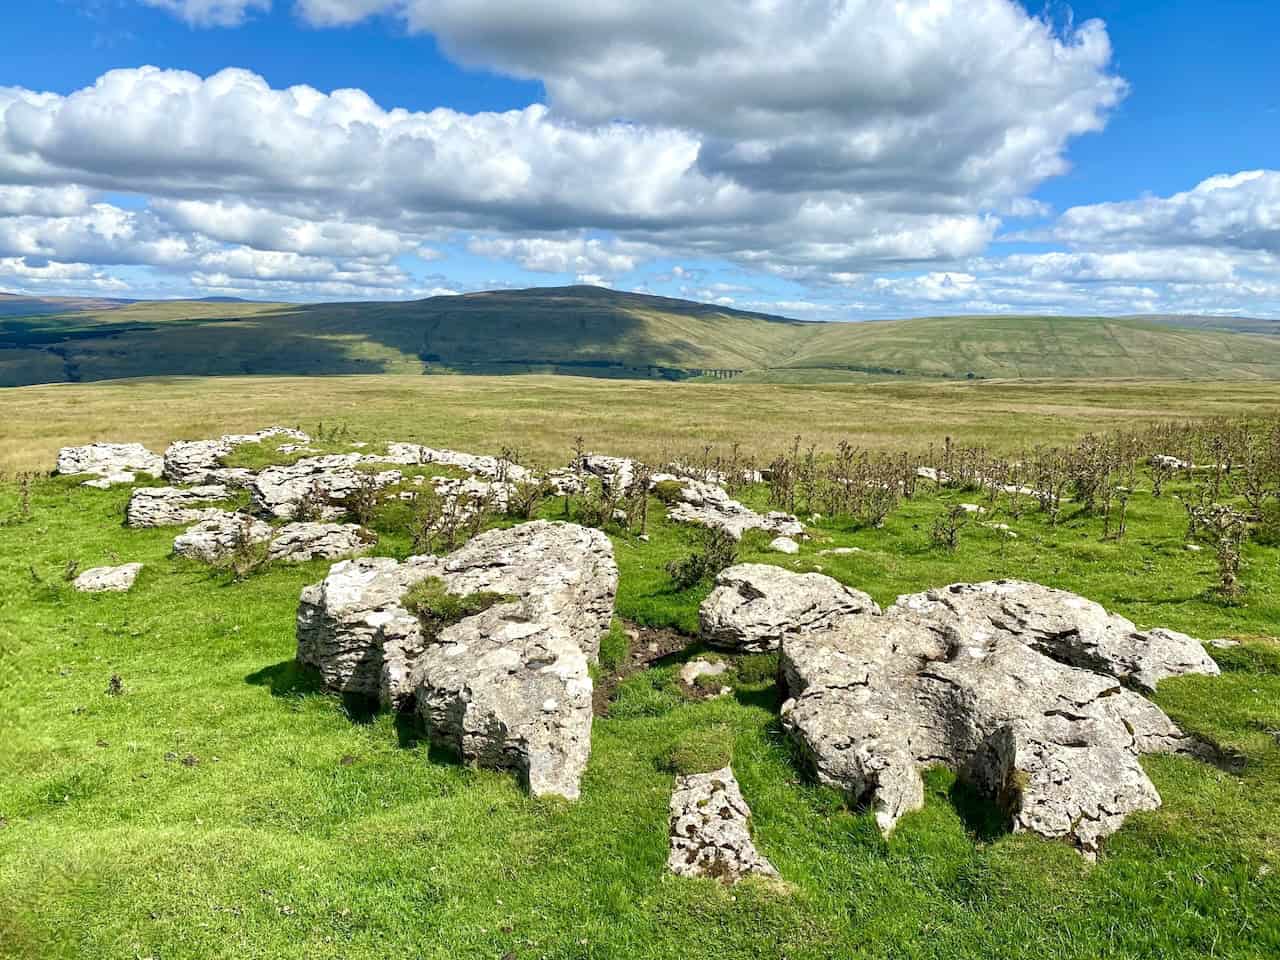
(436, 608)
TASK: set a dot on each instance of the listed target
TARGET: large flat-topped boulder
(875, 699)
(755, 605)
(507, 687)
(110, 463)
(1064, 626)
(174, 506)
(200, 461)
(710, 829)
(279, 490)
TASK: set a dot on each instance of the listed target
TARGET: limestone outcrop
(755, 605)
(200, 461)
(109, 463)
(507, 687)
(1024, 691)
(174, 506)
(278, 491)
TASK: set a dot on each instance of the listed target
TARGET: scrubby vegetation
(173, 785)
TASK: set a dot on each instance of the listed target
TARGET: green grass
(589, 331)
(224, 807)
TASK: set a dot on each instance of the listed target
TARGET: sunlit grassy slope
(603, 333)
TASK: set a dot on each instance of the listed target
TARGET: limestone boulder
(1033, 716)
(174, 506)
(109, 463)
(300, 542)
(279, 490)
(200, 461)
(508, 687)
(218, 535)
(710, 829)
(108, 579)
(1064, 626)
(755, 605)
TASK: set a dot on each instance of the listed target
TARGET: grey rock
(710, 829)
(1022, 704)
(200, 461)
(108, 579)
(300, 542)
(173, 506)
(412, 454)
(278, 490)
(708, 505)
(755, 605)
(508, 687)
(110, 463)
(1066, 627)
(216, 536)
(784, 545)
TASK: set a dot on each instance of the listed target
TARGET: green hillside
(596, 332)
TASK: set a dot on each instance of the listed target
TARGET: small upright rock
(108, 579)
(710, 829)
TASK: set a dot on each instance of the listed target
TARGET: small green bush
(701, 750)
(716, 551)
(668, 491)
(436, 608)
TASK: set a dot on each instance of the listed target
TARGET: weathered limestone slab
(710, 829)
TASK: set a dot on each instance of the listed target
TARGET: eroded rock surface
(200, 461)
(218, 535)
(173, 506)
(708, 505)
(279, 490)
(710, 829)
(300, 542)
(755, 605)
(1028, 705)
(508, 687)
(1066, 627)
(492, 468)
(108, 579)
(110, 463)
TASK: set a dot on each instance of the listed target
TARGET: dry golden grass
(541, 415)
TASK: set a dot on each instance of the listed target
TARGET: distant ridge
(594, 331)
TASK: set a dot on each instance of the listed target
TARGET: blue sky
(827, 160)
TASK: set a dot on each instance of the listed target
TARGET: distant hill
(598, 332)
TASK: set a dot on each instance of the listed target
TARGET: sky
(823, 159)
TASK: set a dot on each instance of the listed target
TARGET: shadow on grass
(980, 814)
(290, 679)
